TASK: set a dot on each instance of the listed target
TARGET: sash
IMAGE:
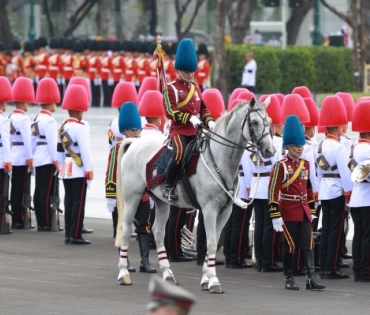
(188, 97)
(295, 175)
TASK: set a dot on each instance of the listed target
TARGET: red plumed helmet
(348, 102)
(82, 81)
(263, 97)
(5, 90)
(234, 95)
(149, 84)
(363, 98)
(124, 92)
(274, 110)
(246, 96)
(302, 91)
(151, 104)
(293, 104)
(280, 97)
(75, 98)
(322, 129)
(23, 91)
(213, 100)
(333, 113)
(47, 92)
(313, 112)
(234, 103)
(361, 117)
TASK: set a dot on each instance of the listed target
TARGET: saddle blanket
(156, 167)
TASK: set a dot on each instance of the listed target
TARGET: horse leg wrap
(123, 275)
(211, 271)
(123, 257)
(164, 264)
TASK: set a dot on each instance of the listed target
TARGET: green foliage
(321, 69)
(355, 95)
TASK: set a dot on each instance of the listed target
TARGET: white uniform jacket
(44, 145)
(5, 151)
(336, 155)
(309, 155)
(78, 132)
(114, 134)
(20, 137)
(243, 173)
(361, 191)
(150, 130)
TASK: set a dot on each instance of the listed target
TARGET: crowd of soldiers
(42, 147)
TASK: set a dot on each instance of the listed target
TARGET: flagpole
(161, 74)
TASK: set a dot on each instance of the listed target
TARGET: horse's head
(256, 127)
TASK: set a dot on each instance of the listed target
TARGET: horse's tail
(119, 193)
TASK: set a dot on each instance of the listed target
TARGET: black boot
(144, 252)
(171, 174)
(311, 282)
(115, 221)
(356, 274)
(129, 267)
(289, 281)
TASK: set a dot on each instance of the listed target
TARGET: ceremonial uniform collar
(74, 120)
(150, 127)
(46, 112)
(291, 159)
(18, 111)
(179, 81)
(361, 140)
(331, 137)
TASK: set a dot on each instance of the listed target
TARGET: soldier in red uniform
(183, 103)
(42, 59)
(29, 62)
(143, 63)
(55, 64)
(93, 70)
(118, 64)
(16, 61)
(105, 72)
(67, 59)
(79, 60)
(292, 204)
(169, 66)
(204, 67)
(130, 62)
(4, 60)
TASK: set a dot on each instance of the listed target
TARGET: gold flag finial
(159, 52)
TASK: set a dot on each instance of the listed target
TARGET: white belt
(105, 70)
(200, 74)
(42, 67)
(129, 71)
(53, 68)
(93, 70)
(293, 197)
(117, 70)
(68, 68)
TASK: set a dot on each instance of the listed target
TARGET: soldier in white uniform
(360, 202)
(75, 162)
(335, 186)
(44, 147)
(20, 137)
(5, 153)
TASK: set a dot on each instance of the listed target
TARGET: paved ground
(41, 275)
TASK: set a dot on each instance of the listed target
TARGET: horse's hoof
(204, 286)
(125, 280)
(172, 280)
(216, 289)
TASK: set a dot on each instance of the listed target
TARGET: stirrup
(168, 194)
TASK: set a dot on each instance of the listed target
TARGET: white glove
(151, 202)
(88, 183)
(110, 81)
(211, 124)
(111, 204)
(278, 224)
(195, 121)
(13, 67)
(313, 217)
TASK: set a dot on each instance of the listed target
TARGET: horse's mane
(224, 120)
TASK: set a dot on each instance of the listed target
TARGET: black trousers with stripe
(19, 180)
(2, 186)
(333, 212)
(74, 205)
(142, 218)
(179, 143)
(236, 238)
(44, 181)
(176, 221)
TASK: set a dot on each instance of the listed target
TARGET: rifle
(5, 206)
(54, 205)
(26, 203)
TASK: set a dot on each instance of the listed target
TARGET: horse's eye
(254, 123)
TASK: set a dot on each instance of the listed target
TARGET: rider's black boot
(171, 173)
(144, 252)
(311, 282)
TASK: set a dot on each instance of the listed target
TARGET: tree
(150, 7)
(294, 23)
(5, 30)
(103, 18)
(50, 22)
(180, 11)
(220, 61)
(355, 18)
(239, 19)
(118, 19)
(77, 17)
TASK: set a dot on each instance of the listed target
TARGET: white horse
(246, 125)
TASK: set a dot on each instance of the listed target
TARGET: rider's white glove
(111, 204)
(195, 121)
(211, 124)
(313, 217)
(278, 224)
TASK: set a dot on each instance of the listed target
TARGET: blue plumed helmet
(129, 118)
(293, 132)
(186, 57)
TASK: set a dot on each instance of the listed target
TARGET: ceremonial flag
(161, 73)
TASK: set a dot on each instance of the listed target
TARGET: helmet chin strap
(183, 78)
(291, 152)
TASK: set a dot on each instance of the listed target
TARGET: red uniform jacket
(106, 68)
(119, 68)
(55, 66)
(290, 210)
(202, 72)
(180, 115)
(79, 66)
(143, 68)
(130, 74)
(169, 68)
(4, 60)
(17, 67)
(29, 65)
(68, 67)
(153, 68)
(42, 65)
(93, 67)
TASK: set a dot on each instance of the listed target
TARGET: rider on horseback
(183, 102)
